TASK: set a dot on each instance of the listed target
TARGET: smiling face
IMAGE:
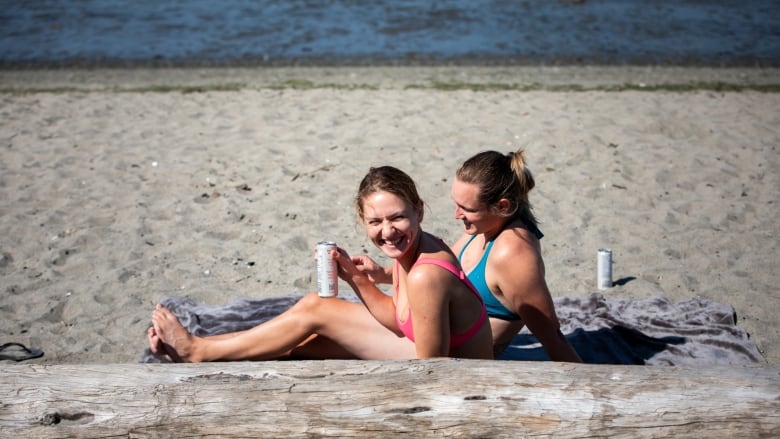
(392, 224)
(476, 216)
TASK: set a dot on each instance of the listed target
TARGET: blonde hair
(501, 176)
(392, 180)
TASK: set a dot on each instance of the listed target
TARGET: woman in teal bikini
(501, 253)
(434, 310)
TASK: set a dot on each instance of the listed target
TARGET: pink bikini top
(455, 339)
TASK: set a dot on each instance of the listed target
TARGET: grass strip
(301, 84)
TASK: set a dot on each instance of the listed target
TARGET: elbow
(430, 356)
(426, 354)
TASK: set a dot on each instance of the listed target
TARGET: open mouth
(469, 227)
(393, 243)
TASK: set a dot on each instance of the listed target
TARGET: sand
(122, 186)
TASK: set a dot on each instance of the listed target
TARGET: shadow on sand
(616, 345)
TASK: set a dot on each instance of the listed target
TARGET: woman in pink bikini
(434, 310)
(501, 252)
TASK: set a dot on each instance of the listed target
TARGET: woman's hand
(347, 268)
(375, 272)
(350, 267)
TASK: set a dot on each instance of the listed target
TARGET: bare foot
(167, 333)
(156, 346)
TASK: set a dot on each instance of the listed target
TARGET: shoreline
(114, 200)
(566, 78)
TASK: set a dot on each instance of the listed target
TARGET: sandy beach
(120, 187)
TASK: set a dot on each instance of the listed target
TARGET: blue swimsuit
(477, 277)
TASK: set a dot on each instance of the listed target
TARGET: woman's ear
(503, 206)
(420, 212)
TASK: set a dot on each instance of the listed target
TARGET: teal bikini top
(477, 277)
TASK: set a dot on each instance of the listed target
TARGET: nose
(458, 212)
(387, 228)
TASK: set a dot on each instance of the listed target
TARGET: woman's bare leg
(347, 325)
(318, 347)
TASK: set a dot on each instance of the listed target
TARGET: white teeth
(394, 243)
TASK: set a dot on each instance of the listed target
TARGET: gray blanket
(696, 332)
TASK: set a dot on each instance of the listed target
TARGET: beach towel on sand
(655, 331)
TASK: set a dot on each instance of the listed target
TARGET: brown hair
(501, 176)
(388, 179)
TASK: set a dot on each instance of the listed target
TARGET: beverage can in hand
(327, 275)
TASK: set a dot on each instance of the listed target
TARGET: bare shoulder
(517, 268)
(517, 238)
(428, 280)
(516, 245)
(425, 272)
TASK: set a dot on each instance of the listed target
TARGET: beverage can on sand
(604, 268)
(327, 276)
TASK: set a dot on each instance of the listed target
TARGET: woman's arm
(379, 304)
(427, 290)
(518, 270)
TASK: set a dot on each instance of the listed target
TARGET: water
(243, 32)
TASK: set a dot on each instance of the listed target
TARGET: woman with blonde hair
(501, 252)
(433, 311)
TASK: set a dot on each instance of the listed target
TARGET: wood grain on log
(423, 398)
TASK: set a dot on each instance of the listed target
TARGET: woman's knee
(308, 302)
(320, 313)
(309, 308)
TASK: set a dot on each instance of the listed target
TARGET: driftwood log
(426, 398)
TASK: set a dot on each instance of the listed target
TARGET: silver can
(327, 274)
(604, 269)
